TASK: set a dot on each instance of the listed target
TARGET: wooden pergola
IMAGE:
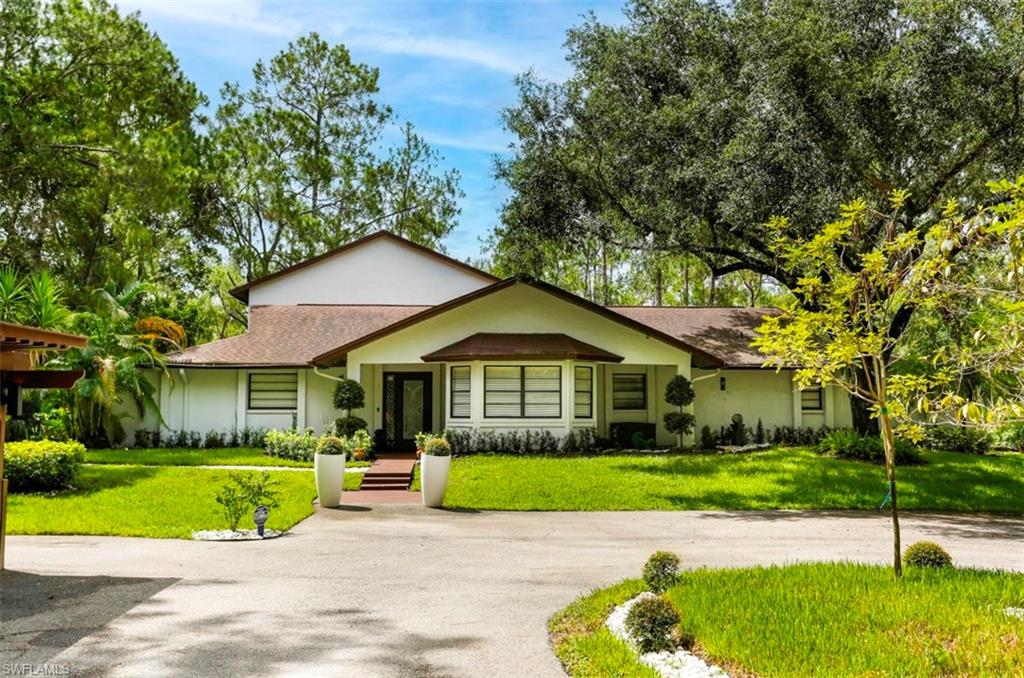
(17, 344)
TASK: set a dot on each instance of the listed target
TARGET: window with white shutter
(273, 390)
(522, 391)
(583, 394)
(459, 392)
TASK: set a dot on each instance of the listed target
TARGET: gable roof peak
(242, 291)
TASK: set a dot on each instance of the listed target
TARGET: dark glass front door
(407, 408)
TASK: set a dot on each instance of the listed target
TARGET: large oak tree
(685, 130)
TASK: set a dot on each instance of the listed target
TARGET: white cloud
(245, 16)
(438, 47)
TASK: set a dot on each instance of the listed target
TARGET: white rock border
(235, 535)
(668, 663)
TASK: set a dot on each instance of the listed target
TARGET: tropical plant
(113, 363)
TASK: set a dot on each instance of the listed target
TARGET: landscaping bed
(187, 456)
(780, 478)
(151, 501)
(829, 619)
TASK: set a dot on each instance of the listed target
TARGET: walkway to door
(387, 482)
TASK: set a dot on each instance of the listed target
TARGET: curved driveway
(397, 591)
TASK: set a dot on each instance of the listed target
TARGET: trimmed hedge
(847, 444)
(42, 465)
(291, 444)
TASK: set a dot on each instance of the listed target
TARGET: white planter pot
(434, 478)
(329, 470)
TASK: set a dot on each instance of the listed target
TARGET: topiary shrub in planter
(435, 464)
(661, 571)
(652, 622)
(42, 465)
(926, 554)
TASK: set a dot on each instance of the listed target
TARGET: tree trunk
(863, 422)
(657, 285)
(889, 443)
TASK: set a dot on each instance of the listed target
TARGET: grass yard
(185, 456)
(152, 501)
(781, 478)
(825, 619)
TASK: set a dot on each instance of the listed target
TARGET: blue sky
(447, 67)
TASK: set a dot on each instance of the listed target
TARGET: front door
(407, 408)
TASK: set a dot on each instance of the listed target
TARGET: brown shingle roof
(511, 346)
(293, 335)
(722, 332)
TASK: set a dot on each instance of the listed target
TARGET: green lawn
(821, 619)
(183, 456)
(782, 478)
(151, 501)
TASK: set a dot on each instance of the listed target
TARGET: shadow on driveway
(43, 615)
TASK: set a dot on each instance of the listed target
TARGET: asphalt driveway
(396, 591)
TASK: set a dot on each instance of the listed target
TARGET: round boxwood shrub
(926, 554)
(42, 465)
(437, 447)
(651, 622)
(661, 571)
(679, 423)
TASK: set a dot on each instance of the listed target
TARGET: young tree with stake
(859, 271)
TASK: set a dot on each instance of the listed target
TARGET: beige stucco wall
(380, 271)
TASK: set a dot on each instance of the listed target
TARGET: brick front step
(389, 475)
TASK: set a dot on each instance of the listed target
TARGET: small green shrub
(651, 622)
(42, 465)
(437, 447)
(360, 440)
(661, 571)
(958, 439)
(926, 554)
(243, 493)
(214, 440)
(346, 426)
(331, 445)
(291, 445)
(707, 438)
(848, 444)
(678, 423)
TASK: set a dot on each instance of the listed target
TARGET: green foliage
(100, 150)
(958, 439)
(360, 440)
(679, 423)
(347, 426)
(927, 554)
(42, 464)
(290, 444)
(714, 129)
(331, 445)
(244, 492)
(475, 441)
(299, 164)
(679, 391)
(349, 395)
(651, 622)
(848, 444)
(707, 439)
(661, 571)
(422, 438)
(437, 447)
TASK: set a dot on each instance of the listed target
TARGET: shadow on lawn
(43, 615)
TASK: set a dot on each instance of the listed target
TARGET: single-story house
(438, 344)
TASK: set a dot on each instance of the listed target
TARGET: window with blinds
(629, 391)
(522, 392)
(811, 400)
(459, 392)
(273, 390)
(583, 394)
